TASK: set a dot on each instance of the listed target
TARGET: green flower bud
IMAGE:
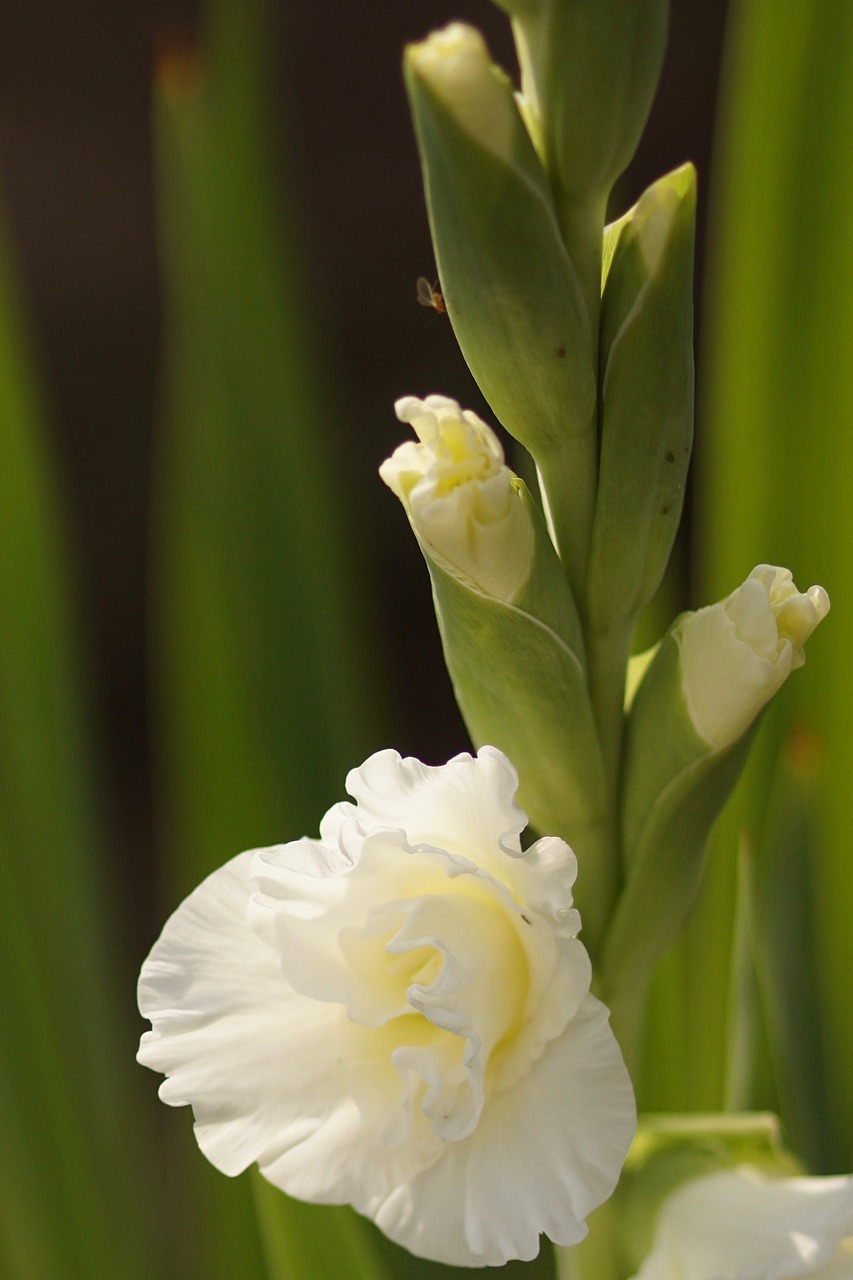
(508, 621)
(509, 285)
(589, 69)
(646, 398)
(688, 735)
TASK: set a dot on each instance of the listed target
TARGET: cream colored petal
(543, 1156)
(741, 1225)
(467, 804)
(271, 1076)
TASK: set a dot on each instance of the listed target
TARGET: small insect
(429, 295)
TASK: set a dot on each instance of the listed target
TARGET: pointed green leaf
(263, 685)
(73, 1199)
(781, 906)
(646, 399)
(777, 450)
(510, 286)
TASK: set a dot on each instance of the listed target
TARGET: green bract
(589, 69)
(689, 730)
(511, 289)
(674, 786)
(646, 398)
(519, 678)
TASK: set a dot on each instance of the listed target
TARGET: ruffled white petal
(472, 797)
(544, 1155)
(212, 987)
(398, 1016)
(272, 1077)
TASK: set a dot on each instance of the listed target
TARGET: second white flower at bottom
(398, 1016)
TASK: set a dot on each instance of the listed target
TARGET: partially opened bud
(737, 653)
(740, 1224)
(509, 626)
(462, 500)
(454, 65)
(673, 1152)
(688, 736)
(509, 283)
(510, 287)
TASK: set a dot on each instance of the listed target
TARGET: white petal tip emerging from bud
(460, 497)
(454, 64)
(737, 653)
(457, 40)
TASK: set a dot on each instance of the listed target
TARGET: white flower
(460, 497)
(737, 653)
(398, 1016)
(742, 1225)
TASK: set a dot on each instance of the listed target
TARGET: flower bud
(589, 69)
(509, 626)
(739, 1223)
(673, 1151)
(688, 735)
(462, 500)
(646, 398)
(737, 653)
(509, 284)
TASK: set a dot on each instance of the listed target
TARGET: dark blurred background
(75, 133)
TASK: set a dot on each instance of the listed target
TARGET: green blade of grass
(777, 450)
(263, 681)
(780, 896)
(70, 1168)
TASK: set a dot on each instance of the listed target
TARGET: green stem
(598, 846)
(607, 658)
(595, 889)
(569, 473)
(596, 1257)
(568, 477)
(582, 227)
(626, 1002)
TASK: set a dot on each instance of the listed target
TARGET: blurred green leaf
(264, 677)
(781, 924)
(776, 460)
(267, 700)
(308, 1240)
(749, 1084)
(71, 1175)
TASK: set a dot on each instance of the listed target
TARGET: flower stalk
(451, 1069)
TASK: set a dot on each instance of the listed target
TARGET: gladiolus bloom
(398, 1016)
